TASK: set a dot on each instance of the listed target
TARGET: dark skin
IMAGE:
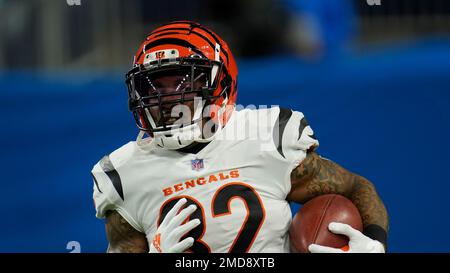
(313, 177)
(122, 237)
(317, 176)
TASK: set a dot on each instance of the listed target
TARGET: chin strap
(179, 138)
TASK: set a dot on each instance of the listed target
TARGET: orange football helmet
(176, 64)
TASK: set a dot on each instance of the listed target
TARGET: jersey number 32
(220, 206)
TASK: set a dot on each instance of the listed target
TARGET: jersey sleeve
(106, 197)
(111, 186)
(295, 136)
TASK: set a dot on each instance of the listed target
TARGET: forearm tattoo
(317, 176)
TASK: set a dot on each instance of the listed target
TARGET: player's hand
(359, 243)
(168, 235)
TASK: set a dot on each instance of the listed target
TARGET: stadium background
(373, 81)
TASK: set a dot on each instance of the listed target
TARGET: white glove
(359, 243)
(168, 235)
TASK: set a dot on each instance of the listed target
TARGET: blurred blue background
(379, 107)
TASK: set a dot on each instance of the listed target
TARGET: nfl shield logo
(197, 164)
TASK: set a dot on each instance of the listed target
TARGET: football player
(205, 177)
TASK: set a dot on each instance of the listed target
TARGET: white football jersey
(239, 182)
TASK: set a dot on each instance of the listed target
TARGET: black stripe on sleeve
(96, 183)
(303, 124)
(280, 125)
(113, 175)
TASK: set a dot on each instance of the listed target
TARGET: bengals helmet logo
(160, 55)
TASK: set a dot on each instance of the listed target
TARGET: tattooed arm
(122, 237)
(317, 176)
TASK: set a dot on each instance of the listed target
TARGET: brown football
(310, 223)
